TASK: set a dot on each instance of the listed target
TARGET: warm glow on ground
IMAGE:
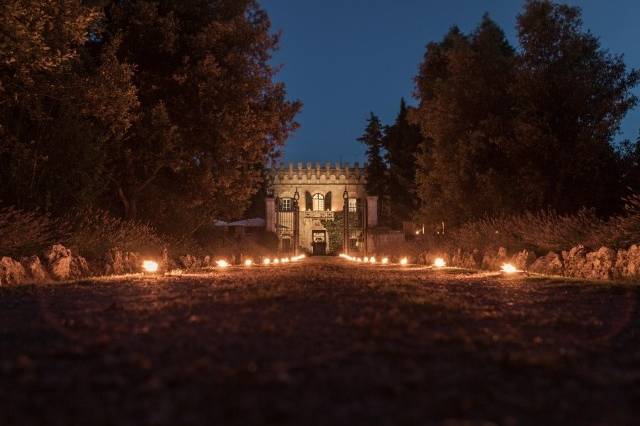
(248, 262)
(439, 262)
(404, 261)
(385, 260)
(266, 261)
(508, 268)
(150, 266)
(222, 263)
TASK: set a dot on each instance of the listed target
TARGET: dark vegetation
(324, 343)
(151, 117)
(508, 144)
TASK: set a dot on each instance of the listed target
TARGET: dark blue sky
(344, 58)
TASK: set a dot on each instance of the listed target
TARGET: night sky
(344, 58)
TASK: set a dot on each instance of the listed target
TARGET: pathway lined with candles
(320, 341)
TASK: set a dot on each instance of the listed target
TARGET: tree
(211, 114)
(572, 96)
(50, 131)
(401, 141)
(464, 115)
(376, 169)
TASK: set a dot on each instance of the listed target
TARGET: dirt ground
(321, 343)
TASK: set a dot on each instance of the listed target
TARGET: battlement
(317, 173)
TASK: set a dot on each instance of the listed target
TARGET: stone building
(303, 202)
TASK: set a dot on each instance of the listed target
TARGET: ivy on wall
(335, 232)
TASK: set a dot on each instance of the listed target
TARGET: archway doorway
(319, 239)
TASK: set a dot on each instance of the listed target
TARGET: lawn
(319, 343)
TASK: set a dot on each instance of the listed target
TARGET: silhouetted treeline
(506, 129)
(164, 111)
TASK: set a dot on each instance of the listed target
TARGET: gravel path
(321, 343)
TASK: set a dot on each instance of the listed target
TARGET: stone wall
(579, 262)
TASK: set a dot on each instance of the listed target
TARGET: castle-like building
(305, 200)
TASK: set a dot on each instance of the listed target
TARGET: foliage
(335, 232)
(376, 169)
(530, 129)
(157, 111)
(27, 233)
(96, 231)
(401, 141)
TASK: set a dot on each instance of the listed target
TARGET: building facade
(305, 200)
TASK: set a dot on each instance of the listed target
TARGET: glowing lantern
(358, 259)
(150, 266)
(439, 262)
(404, 261)
(266, 261)
(248, 262)
(276, 261)
(222, 263)
(385, 260)
(372, 259)
(508, 268)
(366, 259)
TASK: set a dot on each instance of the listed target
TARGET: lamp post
(296, 222)
(345, 211)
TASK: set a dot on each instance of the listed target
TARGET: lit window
(353, 205)
(285, 204)
(318, 202)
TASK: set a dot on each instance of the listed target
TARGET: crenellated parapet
(310, 173)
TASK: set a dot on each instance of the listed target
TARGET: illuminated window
(353, 204)
(285, 204)
(318, 202)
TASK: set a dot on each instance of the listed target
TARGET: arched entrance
(319, 242)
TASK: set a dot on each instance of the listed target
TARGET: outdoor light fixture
(266, 261)
(508, 268)
(150, 266)
(404, 261)
(439, 262)
(372, 259)
(385, 260)
(365, 259)
(248, 262)
(276, 261)
(222, 263)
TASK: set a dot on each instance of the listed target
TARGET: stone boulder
(600, 264)
(11, 272)
(523, 259)
(628, 263)
(190, 262)
(58, 259)
(551, 264)
(464, 259)
(79, 267)
(113, 262)
(493, 260)
(575, 261)
(36, 272)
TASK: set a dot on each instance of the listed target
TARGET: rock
(189, 262)
(600, 264)
(465, 259)
(574, 261)
(493, 260)
(58, 259)
(551, 264)
(628, 263)
(132, 262)
(79, 267)
(523, 259)
(113, 262)
(36, 272)
(11, 272)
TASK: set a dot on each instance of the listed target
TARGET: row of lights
(152, 266)
(372, 260)
(438, 262)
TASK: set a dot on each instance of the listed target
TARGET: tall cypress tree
(376, 168)
(401, 141)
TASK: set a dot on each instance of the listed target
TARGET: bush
(26, 233)
(96, 231)
(549, 231)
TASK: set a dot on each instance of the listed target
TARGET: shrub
(25, 233)
(96, 231)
